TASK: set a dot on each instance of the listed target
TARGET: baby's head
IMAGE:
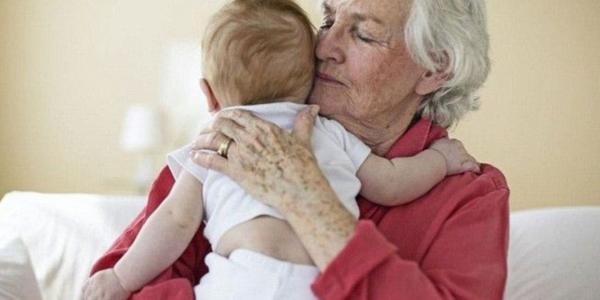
(257, 52)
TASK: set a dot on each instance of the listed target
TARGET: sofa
(48, 243)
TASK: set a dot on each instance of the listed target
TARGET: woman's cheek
(325, 99)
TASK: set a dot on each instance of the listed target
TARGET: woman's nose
(329, 46)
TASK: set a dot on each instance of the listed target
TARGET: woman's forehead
(385, 11)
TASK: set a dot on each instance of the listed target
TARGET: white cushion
(554, 254)
(17, 281)
(65, 234)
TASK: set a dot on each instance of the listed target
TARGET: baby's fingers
(470, 164)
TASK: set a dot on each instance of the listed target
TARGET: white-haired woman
(395, 73)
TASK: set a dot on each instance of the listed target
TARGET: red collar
(416, 139)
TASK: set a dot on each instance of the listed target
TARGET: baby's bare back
(267, 235)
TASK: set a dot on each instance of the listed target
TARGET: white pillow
(65, 234)
(17, 281)
(554, 254)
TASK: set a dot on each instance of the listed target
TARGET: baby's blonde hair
(258, 51)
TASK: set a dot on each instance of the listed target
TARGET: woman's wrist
(321, 222)
(310, 188)
(305, 181)
(324, 229)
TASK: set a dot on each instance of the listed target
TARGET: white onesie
(226, 204)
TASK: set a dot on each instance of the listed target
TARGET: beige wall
(540, 115)
(70, 68)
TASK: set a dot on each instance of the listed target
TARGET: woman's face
(365, 75)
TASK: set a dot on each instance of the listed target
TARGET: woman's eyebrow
(326, 9)
(357, 17)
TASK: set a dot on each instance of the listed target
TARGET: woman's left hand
(274, 166)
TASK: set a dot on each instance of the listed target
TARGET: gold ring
(224, 147)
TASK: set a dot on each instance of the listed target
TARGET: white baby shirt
(338, 153)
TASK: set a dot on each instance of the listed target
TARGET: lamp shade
(142, 130)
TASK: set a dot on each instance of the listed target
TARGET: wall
(70, 68)
(539, 120)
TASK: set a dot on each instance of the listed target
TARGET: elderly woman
(395, 73)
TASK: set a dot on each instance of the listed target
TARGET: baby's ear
(211, 100)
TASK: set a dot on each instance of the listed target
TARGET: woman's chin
(322, 102)
(322, 96)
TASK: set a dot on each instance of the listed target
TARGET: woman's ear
(211, 100)
(430, 82)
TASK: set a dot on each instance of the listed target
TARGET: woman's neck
(381, 132)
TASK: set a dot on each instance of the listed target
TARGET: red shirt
(450, 243)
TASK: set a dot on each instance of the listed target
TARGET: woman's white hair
(450, 36)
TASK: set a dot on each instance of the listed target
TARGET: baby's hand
(457, 159)
(104, 285)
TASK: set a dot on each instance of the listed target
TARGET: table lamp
(142, 136)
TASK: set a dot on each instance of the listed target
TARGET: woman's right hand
(266, 161)
(279, 169)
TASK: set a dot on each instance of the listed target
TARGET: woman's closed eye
(326, 24)
(362, 36)
(356, 32)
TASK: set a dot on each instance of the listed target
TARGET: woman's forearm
(321, 222)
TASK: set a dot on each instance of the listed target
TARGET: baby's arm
(165, 235)
(401, 180)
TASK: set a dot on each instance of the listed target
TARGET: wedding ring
(224, 147)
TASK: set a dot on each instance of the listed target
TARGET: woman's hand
(279, 169)
(272, 165)
(104, 285)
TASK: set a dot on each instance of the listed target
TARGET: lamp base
(144, 175)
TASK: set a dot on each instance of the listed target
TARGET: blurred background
(94, 94)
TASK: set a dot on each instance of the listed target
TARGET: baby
(258, 56)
